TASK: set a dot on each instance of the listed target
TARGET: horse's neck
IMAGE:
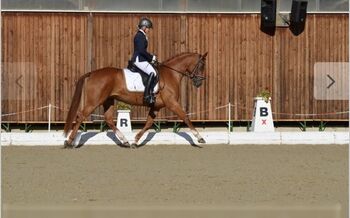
(180, 64)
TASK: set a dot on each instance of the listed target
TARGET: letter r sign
(123, 122)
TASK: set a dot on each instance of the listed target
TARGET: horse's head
(190, 65)
(196, 69)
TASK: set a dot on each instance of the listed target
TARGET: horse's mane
(177, 56)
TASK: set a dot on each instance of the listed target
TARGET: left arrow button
(17, 81)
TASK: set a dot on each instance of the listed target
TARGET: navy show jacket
(140, 48)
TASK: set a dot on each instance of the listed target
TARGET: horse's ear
(205, 55)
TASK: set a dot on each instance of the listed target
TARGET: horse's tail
(75, 103)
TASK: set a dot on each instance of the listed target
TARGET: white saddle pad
(134, 82)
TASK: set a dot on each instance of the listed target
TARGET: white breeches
(145, 66)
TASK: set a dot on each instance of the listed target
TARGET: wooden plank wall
(242, 60)
(43, 55)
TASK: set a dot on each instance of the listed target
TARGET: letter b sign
(264, 112)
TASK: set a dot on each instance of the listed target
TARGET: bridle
(194, 73)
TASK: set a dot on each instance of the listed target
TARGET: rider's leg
(148, 69)
(148, 94)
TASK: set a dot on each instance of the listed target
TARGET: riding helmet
(145, 22)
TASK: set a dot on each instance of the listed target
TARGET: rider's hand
(154, 59)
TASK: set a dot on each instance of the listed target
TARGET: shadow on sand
(87, 136)
(189, 139)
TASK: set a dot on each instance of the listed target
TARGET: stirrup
(149, 100)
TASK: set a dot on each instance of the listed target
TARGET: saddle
(133, 68)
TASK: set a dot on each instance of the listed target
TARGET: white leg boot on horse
(79, 119)
(68, 143)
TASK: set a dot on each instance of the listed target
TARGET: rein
(177, 71)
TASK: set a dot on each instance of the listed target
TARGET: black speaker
(298, 16)
(268, 16)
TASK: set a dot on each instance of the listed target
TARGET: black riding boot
(149, 98)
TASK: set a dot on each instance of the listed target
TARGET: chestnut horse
(106, 84)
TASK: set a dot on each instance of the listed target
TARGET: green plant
(265, 94)
(122, 106)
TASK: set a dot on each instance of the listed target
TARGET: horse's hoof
(133, 146)
(201, 140)
(126, 145)
(67, 144)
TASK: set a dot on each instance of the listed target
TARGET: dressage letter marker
(123, 121)
(262, 116)
(263, 112)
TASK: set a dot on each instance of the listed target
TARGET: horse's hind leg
(77, 117)
(69, 142)
(80, 118)
(109, 112)
(175, 107)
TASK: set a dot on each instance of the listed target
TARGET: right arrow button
(333, 81)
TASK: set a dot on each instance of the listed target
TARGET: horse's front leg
(150, 118)
(175, 107)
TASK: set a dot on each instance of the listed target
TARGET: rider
(142, 59)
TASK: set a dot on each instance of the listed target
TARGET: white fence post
(229, 122)
(49, 128)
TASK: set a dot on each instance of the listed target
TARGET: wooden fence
(43, 54)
